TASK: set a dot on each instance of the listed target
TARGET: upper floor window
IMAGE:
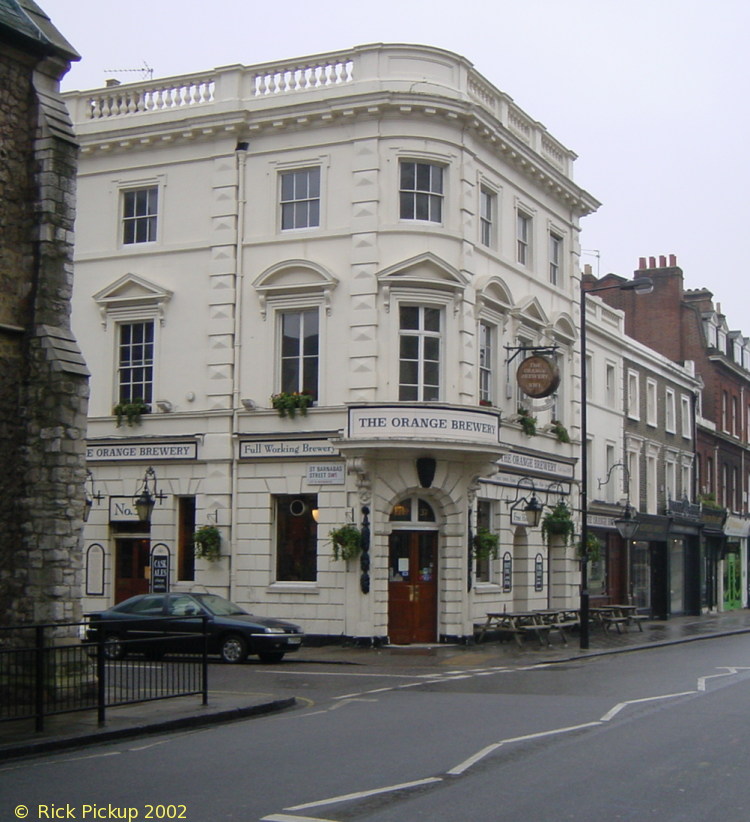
(135, 375)
(300, 350)
(421, 192)
(651, 402)
(555, 257)
(300, 198)
(419, 353)
(139, 214)
(634, 399)
(686, 417)
(670, 411)
(486, 217)
(610, 385)
(523, 237)
(486, 363)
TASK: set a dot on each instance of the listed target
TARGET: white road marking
(285, 817)
(617, 708)
(728, 672)
(472, 760)
(364, 794)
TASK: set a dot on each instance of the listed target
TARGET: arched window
(413, 510)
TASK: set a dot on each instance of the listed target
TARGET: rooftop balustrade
(422, 73)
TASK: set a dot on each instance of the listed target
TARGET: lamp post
(641, 285)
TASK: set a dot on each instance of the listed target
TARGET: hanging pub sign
(538, 376)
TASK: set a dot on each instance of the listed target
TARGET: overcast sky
(653, 95)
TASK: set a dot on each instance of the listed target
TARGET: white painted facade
(356, 193)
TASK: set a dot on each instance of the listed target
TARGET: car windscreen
(218, 606)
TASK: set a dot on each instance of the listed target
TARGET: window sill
(293, 588)
(487, 587)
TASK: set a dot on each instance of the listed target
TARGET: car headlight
(275, 631)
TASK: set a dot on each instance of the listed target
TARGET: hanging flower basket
(558, 523)
(207, 542)
(347, 542)
(288, 403)
(486, 544)
(527, 422)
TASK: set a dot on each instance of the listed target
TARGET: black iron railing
(47, 670)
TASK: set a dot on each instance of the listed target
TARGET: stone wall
(43, 379)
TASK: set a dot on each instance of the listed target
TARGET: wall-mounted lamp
(165, 406)
(316, 514)
(90, 497)
(250, 405)
(145, 500)
(627, 525)
(532, 507)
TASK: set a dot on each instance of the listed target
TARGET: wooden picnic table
(621, 616)
(539, 623)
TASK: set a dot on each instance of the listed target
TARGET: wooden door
(412, 587)
(131, 562)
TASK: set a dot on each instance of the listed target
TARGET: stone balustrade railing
(408, 69)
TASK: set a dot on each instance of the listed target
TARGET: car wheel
(269, 657)
(233, 649)
(113, 647)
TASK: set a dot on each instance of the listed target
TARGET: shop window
(296, 538)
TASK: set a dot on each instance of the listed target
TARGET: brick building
(688, 328)
(43, 379)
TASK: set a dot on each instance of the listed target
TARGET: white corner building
(380, 232)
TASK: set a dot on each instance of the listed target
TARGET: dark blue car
(155, 624)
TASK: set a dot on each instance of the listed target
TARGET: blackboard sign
(538, 572)
(507, 571)
(160, 569)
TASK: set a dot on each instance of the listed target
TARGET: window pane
(409, 348)
(432, 319)
(431, 374)
(409, 316)
(408, 175)
(432, 348)
(423, 177)
(409, 372)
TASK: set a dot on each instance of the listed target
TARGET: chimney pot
(641, 263)
(662, 261)
(673, 260)
(652, 262)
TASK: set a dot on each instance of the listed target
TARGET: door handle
(416, 593)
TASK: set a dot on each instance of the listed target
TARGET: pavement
(75, 730)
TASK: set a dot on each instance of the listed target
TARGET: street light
(641, 285)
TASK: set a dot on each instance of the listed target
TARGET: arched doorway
(413, 572)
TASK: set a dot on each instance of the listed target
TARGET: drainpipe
(241, 156)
